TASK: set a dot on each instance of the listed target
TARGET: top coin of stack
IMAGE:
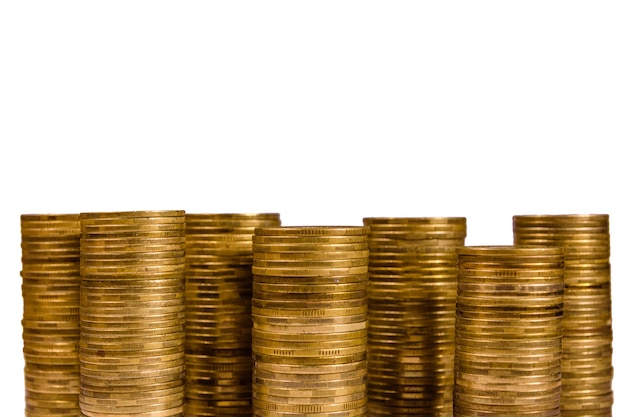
(508, 331)
(50, 324)
(309, 314)
(587, 323)
(132, 313)
(411, 312)
(218, 316)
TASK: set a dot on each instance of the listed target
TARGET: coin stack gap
(587, 320)
(132, 314)
(309, 315)
(50, 322)
(508, 331)
(411, 313)
(218, 312)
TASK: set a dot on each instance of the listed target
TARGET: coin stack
(218, 312)
(587, 326)
(309, 314)
(51, 325)
(132, 314)
(411, 312)
(508, 331)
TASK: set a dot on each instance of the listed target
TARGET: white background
(323, 111)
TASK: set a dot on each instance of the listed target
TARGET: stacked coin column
(132, 314)
(50, 325)
(309, 314)
(412, 303)
(508, 331)
(587, 323)
(218, 316)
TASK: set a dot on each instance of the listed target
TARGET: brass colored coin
(169, 251)
(509, 252)
(281, 344)
(309, 264)
(131, 221)
(91, 236)
(308, 304)
(310, 256)
(317, 353)
(234, 217)
(312, 231)
(309, 313)
(295, 239)
(309, 289)
(121, 228)
(308, 409)
(318, 337)
(335, 279)
(85, 216)
(123, 244)
(310, 272)
(317, 321)
(309, 247)
(311, 297)
(427, 221)
(310, 401)
(310, 328)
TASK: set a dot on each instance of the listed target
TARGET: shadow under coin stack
(309, 314)
(587, 324)
(508, 331)
(51, 325)
(218, 316)
(411, 312)
(132, 315)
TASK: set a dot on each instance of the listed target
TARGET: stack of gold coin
(309, 315)
(587, 322)
(508, 331)
(218, 316)
(50, 325)
(411, 312)
(132, 314)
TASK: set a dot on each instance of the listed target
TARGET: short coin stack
(309, 314)
(411, 312)
(587, 323)
(51, 325)
(218, 316)
(132, 314)
(508, 331)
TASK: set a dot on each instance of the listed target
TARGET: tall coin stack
(132, 314)
(508, 331)
(218, 314)
(587, 323)
(50, 321)
(309, 315)
(412, 304)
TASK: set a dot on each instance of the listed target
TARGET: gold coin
(334, 279)
(288, 257)
(308, 247)
(317, 321)
(129, 243)
(130, 214)
(332, 406)
(311, 329)
(295, 288)
(320, 352)
(312, 231)
(309, 272)
(132, 221)
(309, 313)
(311, 240)
(308, 304)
